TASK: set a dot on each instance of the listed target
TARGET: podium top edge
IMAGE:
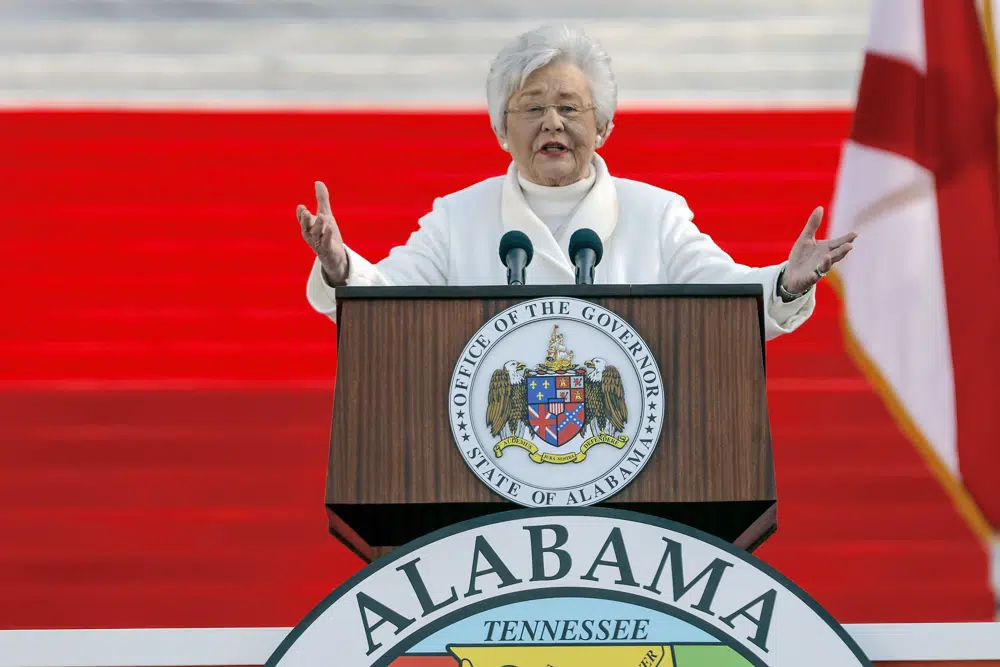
(541, 291)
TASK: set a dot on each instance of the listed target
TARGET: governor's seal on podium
(556, 402)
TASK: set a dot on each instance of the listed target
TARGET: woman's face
(551, 126)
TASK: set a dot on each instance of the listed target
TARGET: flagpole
(990, 35)
(989, 29)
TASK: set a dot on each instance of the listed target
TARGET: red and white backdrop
(165, 390)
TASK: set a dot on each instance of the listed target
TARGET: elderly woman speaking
(552, 97)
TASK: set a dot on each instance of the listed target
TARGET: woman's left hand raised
(811, 259)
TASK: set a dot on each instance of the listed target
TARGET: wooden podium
(395, 473)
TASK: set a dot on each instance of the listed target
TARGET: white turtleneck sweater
(555, 205)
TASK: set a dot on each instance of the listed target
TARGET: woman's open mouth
(554, 149)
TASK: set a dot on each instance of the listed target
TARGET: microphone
(586, 251)
(516, 252)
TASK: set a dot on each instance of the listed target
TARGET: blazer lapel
(598, 211)
(550, 263)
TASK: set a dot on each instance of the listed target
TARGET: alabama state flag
(918, 181)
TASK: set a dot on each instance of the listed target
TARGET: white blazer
(648, 236)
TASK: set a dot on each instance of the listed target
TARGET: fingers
(311, 225)
(322, 199)
(813, 223)
(840, 253)
(833, 257)
(306, 219)
(841, 240)
(325, 234)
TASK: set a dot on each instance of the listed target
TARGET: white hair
(536, 49)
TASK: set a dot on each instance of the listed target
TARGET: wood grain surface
(391, 441)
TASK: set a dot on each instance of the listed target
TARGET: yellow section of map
(650, 655)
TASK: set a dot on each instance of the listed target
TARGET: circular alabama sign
(581, 587)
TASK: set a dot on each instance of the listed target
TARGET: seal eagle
(604, 401)
(507, 402)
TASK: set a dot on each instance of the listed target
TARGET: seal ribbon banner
(568, 457)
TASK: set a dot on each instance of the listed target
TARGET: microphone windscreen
(516, 240)
(586, 238)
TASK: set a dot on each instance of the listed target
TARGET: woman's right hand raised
(322, 234)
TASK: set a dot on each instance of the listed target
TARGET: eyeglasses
(537, 111)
